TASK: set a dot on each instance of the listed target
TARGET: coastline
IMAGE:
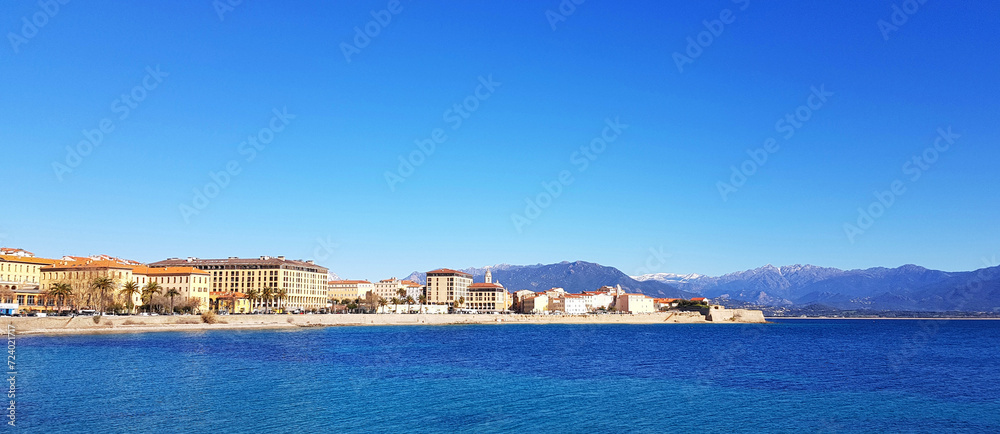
(145, 324)
(769, 318)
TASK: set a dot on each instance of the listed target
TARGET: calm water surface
(791, 376)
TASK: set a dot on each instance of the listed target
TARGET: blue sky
(318, 188)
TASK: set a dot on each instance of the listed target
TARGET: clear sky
(537, 85)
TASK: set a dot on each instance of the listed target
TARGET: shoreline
(769, 318)
(62, 326)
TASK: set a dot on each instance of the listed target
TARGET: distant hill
(574, 277)
(908, 287)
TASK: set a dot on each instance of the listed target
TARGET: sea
(791, 375)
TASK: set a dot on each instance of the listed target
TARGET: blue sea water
(789, 376)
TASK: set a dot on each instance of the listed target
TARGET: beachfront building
(229, 302)
(189, 282)
(20, 269)
(413, 289)
(389, 288)
(489, 296)
(447, 286)
(80, 272)
(339, 290)
(634, 303)
(597, 300)
(537, 303)
(301, 284)
(665, 303)
(574, 304)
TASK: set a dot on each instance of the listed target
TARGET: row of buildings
(27, 283)
(244, 285)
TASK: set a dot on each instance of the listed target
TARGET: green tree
(252, 294)
(423, 301)
(152, 288)
(172, 292)
(129, 290)
(102, 286)
(61, 291)
(280, 295)
(266, 295)
(409, 301)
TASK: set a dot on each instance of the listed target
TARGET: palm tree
(102, 285)
(409, 301)
(382, 302)
(280, 294)
(266, 294)
(252, 294)
(423, 300)
(148, 291)
(461, 301)
(402, 293)
(61, 291)
(172, 293)
(129, 290)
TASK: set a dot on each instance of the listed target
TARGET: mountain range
(909, 287)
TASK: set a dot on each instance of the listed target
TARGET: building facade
(304, 284)
(447, 286)
(80, 272)
(22, 271)
(389, 288)
(634, 303)
(189, 282)
(348, 289)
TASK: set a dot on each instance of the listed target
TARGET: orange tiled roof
(411, 283)
(28, 259)
(347, 282)
(699, 299)
(485, 285)
(87, 263)
(11, 250)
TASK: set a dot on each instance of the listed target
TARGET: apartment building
(21, 270)
(447, 286)
(348, 289)
(304, 283)
(634, 303)
(189, 282)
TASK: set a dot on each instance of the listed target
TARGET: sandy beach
(141, 324)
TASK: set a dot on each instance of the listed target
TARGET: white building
(575, 304)
(389, 288)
